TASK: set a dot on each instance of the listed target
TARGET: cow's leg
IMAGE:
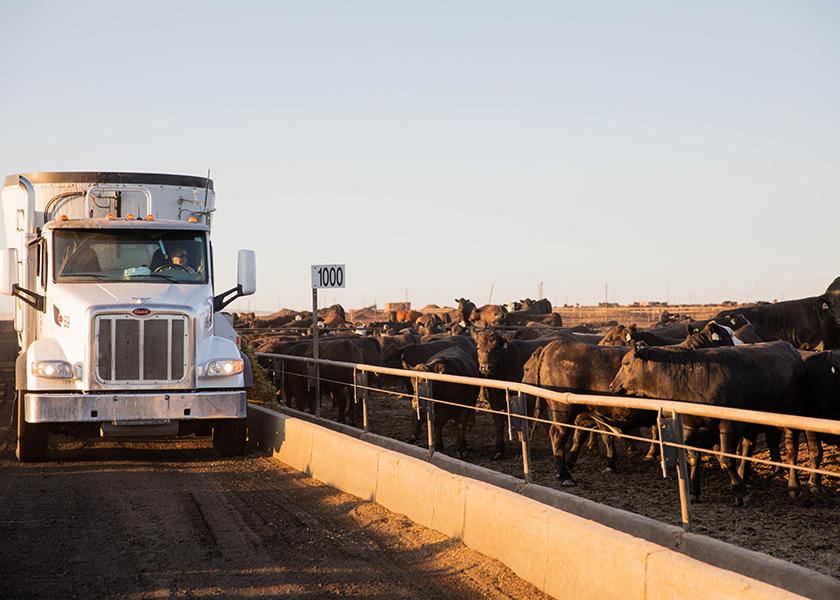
(792, 448)
(416, 425)
(773, 439)
(538, 412)
(340, 399)
(730, 434)
(439, 422)
(577, 438)
(815, 456)
(653, 448)
(609, 444)
(747, 448)
(694, 464)
(559, 435)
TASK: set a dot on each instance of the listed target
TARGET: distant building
(389, 306)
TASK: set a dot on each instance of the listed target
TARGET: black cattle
(822, 400)
(629, 336)
(834, 286)
(523, 318)
(571, 366)
(453, 360)
(502, 359)
(534, 307)
(415, 354)
(809, 323)
(391, 347)
(299, 390)
(766, 377)
(464, 311)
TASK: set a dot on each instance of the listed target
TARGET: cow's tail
(531, 376)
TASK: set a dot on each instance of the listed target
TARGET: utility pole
(606, 304)
(490, 299)
(540, 291)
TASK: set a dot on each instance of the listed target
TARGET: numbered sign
(327, 276)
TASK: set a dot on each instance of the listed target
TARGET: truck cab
(121, 332)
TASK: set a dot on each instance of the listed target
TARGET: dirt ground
(156, 520)
(804, 530)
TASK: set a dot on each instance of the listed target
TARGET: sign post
(323, 276)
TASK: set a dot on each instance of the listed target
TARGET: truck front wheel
(229, 436)
(32, 438)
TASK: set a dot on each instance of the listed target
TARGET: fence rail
(662, 407)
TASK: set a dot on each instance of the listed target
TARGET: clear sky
(674, 151)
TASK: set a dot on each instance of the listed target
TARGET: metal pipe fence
(669, 422)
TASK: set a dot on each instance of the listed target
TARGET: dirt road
(151, 521)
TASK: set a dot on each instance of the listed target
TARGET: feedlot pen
(803, 530)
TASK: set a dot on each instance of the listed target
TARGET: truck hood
(67, 295)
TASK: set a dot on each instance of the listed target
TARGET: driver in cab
(177, 262)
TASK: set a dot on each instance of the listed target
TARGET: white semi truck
(120, 331)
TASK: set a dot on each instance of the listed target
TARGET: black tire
(229, 436)
(32, 438)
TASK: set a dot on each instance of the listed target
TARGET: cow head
(622, 383)
(829, 306)
(489, 346)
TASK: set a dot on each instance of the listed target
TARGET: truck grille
(148, 350)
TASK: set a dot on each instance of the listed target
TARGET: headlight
(52, 369)
(224, 368)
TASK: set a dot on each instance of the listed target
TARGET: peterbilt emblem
(60, 320)
(141, 312)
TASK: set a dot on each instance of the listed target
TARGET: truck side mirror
(8, 270)
(246, 272)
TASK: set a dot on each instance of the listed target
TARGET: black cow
(767, 377)
(571, 366)
(464, 311)
(629, 336)
(822, 400)
(809, 323)
(503, 359)
(535, 307)
(453, 360)
(415, 354)
(335, 381)
(523, 318)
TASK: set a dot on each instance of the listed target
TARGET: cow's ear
(632, 327)
(823, 300)
(638, 345)
(440, 368)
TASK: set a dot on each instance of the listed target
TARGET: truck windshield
(151, 256)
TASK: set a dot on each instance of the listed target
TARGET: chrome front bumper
(134, 408)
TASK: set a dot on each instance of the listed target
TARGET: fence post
(360, 394)
(283, 381)
(682, 473)
(671, 432)
(518, 406)
(424, 389)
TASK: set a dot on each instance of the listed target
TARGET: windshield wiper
(96, 276)
(162, 276)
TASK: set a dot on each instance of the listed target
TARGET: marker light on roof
(193, 219)
(150, 217)
(130, 217)
(62, 218)
(110, 216)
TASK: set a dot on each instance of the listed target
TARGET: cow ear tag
(825, 306)
(715, 337)
(833, 370)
